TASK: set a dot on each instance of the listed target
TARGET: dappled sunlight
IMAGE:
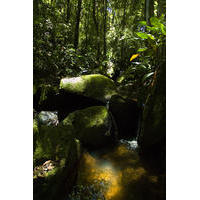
(96, 170)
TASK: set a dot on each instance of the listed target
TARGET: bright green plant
(151, 41)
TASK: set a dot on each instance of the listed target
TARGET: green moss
(35, 126)
(35, 133)
(95, 85)
(58, 180)
(90, 125)
(52, 143)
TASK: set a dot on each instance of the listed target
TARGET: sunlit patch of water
(102, 172)
(119, 174)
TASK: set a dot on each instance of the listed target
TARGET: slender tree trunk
(105, 28)
(68, 11)
(86, 33)
(149, 10)
(123, 27)
(86, 26)
(97, 29)
(76, 33)
(113, 17)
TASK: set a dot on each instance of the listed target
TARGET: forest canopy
(122, 39)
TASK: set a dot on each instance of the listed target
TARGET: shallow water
(120, 174)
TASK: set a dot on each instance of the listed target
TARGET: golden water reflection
(124, 174)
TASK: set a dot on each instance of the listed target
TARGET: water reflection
(122, 173)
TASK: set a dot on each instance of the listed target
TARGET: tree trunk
(149, 10)
(97, 29)
(105, 28)
(76, 32)
(68, 11)
(123, 27)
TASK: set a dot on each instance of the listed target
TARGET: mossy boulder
(92, 126)
(51, 143)
(95, 85)
(55, 178)
(56, 157)
(126, 113)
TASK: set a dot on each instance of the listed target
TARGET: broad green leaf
(142, 35)
(134, 56)
(156, 29)
(146, 76)
(163, 29)
(143, 22)
(155, 21)
(151, 37)
(142, 49)
(120, 79)
(141, 67)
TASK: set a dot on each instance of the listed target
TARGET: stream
(118, 173)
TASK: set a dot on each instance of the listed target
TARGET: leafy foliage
(110, 32)
(151, 41)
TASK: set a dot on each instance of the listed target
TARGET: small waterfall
(131, 144)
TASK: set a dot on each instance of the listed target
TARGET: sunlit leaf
(141, 67)
(142, 49)
(143, 22)
(142, 35)
(155, 21)
(134, 56)
(151, 37)
(120, 79)
(163, 29)
(146, 76)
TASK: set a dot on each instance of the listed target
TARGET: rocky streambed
(84, 144)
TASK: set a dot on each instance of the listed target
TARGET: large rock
(48, 118)
(92, 126)
(152, 138)
(56, 159)
(55, 178)
(126, 113)
(58, 149)
(95, 85)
